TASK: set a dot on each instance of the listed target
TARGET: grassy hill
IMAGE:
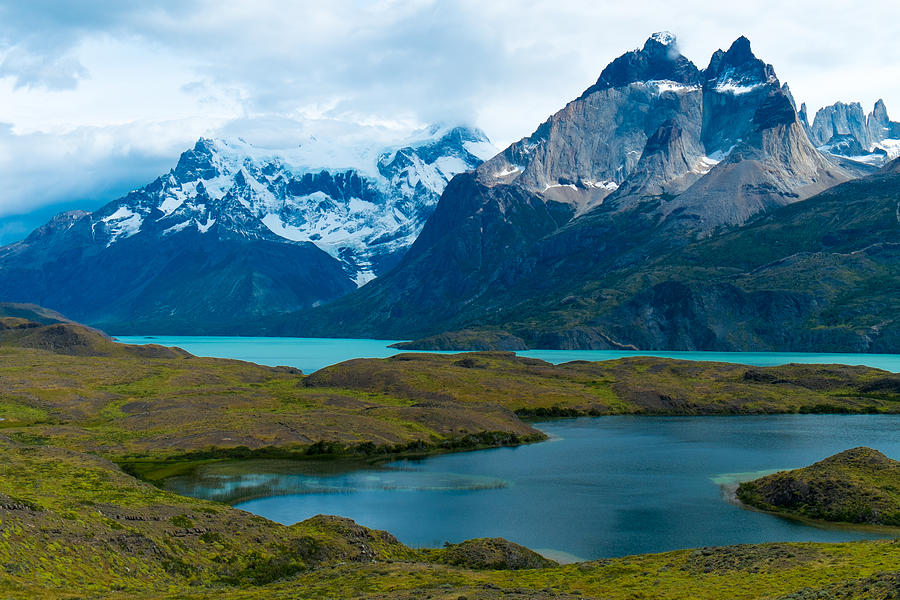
(860, 485)
(73, 386)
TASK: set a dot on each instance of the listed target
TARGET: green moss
(16, 414)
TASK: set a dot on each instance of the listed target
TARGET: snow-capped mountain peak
(363, 204)
(665, 38)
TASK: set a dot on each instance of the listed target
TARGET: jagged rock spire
(738, 69)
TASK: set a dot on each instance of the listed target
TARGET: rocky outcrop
(492, 554)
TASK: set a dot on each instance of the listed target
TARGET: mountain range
(667, 207)
(235, 231)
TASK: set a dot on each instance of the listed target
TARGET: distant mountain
(31, 313)
(545, 245)
(844, 130)
(235, 231)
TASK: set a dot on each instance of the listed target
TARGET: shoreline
(730, 496)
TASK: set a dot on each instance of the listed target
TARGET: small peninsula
(860, 485)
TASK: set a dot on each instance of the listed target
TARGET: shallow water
(311, 354)
(607, 486)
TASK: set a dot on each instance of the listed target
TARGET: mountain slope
(820, 275)
(235, 232)
(655, 156)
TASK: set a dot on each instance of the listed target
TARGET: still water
(311, 354)
(607, 486)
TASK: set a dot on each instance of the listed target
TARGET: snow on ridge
(204, 227)
(121, 224)
(706, 163)
(891, 147)
(667, 85)
(363, 277)
(171, 203)
(177, 227)
(507, 171)
(736, 88)
(609, 186)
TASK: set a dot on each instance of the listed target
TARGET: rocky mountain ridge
(362, 211)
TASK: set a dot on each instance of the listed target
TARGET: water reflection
(240, 481)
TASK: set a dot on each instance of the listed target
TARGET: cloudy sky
(100, 96)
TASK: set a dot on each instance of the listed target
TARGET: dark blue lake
(607, 486)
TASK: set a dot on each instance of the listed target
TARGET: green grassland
(642, 385)
(860, 485)
(71, 385)
(138, 402)
(82, 415)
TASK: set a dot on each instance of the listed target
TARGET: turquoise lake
(601, 487)
(311, 354)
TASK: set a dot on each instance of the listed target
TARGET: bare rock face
(840, 119)
(880, 125)
(585, 151)
(668, 163)
(735, 83)
(773, 166)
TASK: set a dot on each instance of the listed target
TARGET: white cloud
(109, 90)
